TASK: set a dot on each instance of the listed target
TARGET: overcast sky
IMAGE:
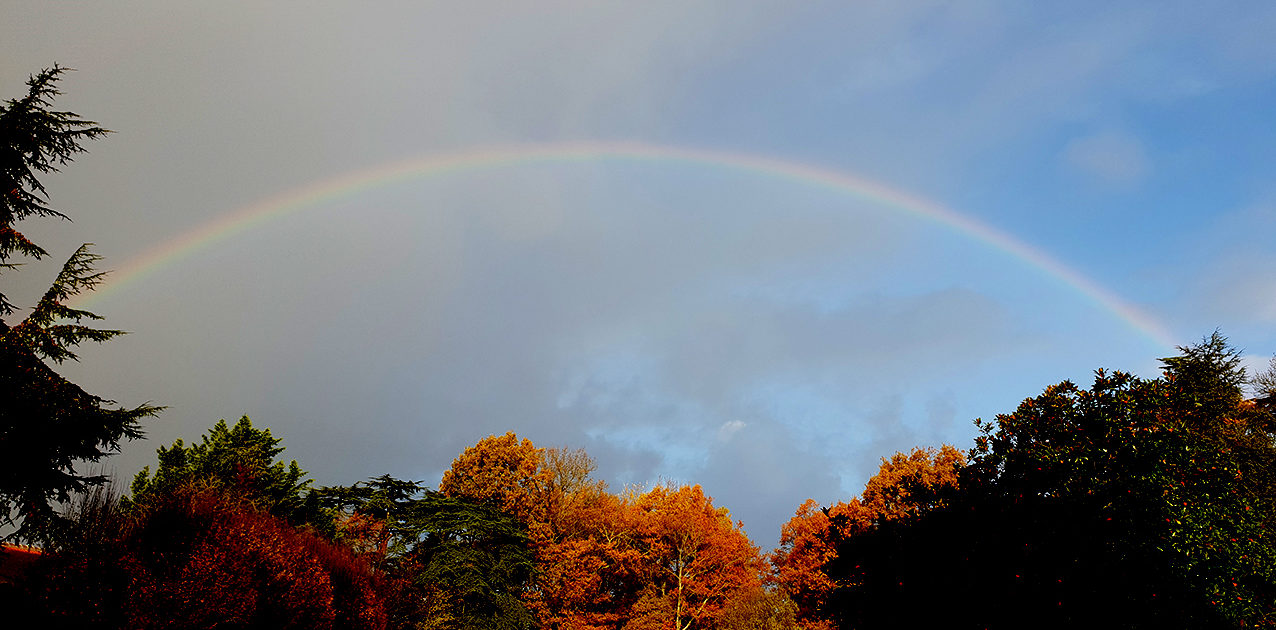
(765, 337)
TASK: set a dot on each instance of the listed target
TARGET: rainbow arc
(323, 191)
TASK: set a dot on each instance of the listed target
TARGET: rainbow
(345, 185)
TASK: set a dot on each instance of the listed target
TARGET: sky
(752, 245)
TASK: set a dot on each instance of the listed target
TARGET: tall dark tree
(48, 425)
(479, 556)
(1134, 503)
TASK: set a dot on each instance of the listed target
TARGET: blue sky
(768, 339)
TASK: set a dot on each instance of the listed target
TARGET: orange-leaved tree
(504, 471)
(695, 559)
(806, 545)
(591, 571)
(586, 567)
(665, 558)
(904, 486)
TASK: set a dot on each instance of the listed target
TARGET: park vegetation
(1133, 503)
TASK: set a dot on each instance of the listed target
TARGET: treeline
(1135, 503)
(225, 535)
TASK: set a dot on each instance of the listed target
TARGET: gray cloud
(766, 339)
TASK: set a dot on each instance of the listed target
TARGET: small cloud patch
(1114, 158)
(729, 428)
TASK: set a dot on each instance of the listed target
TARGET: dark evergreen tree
(454, 563)
(479, 556)
(48, 425)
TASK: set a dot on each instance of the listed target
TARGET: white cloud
(729, 428)
(1246, 294)
(1226, 274)
(1112, 157)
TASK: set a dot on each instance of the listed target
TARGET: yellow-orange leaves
(805, 546)
(807, 542)
(503, 470)
(887, 494)
(695, 558)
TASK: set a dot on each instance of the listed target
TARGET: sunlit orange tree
(663, 558)
(585, 575)
(696, 560)
(903, 487)
(589, 566)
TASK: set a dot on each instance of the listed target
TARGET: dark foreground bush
(198, 558)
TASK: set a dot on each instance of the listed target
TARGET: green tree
(240, 460)
(455, 563)
(479, 556)
(1207, 379)
(1134, 503)
(48, 425)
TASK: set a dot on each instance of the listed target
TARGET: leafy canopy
(1133, 503)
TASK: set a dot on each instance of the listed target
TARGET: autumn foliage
(901, 488)
(505, 471)
(197, 558)
(695, 559)
(1133, 503)
(662, 558)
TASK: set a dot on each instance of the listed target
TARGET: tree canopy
(1134, 503)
